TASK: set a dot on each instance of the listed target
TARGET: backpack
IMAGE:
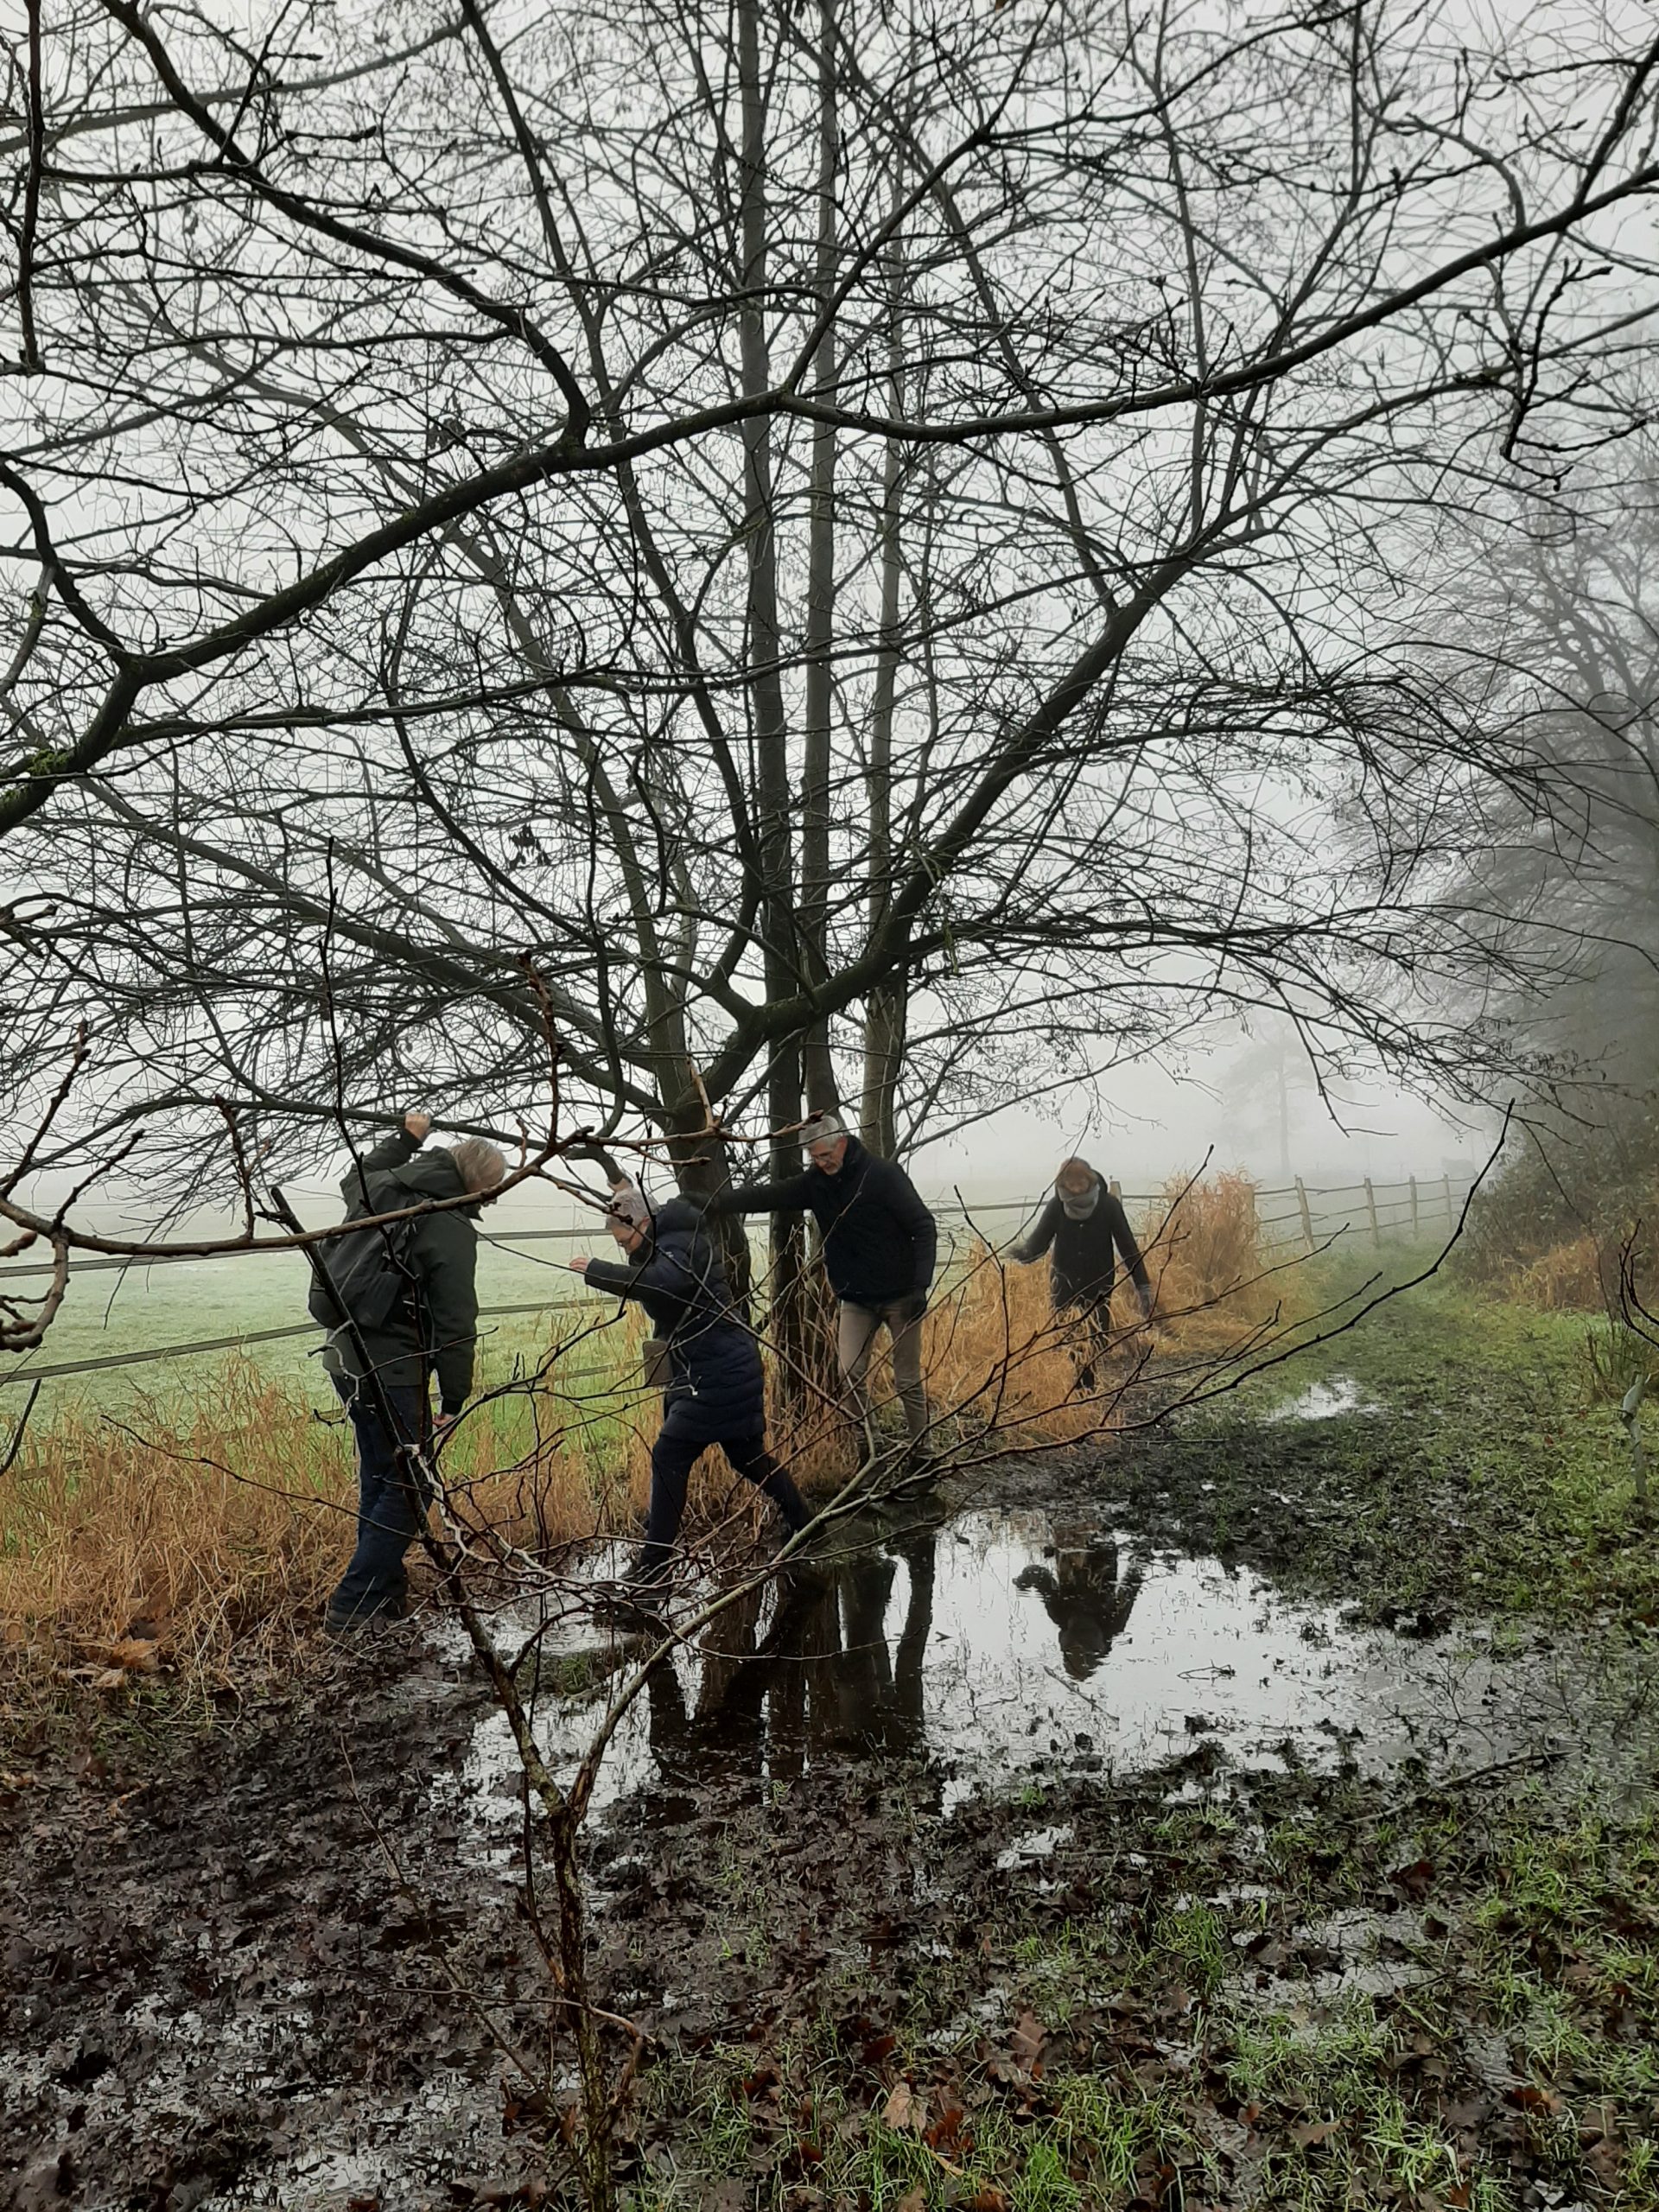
(370, 1273)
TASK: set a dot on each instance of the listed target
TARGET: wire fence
(1379, 1211)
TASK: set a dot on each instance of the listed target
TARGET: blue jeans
(388, 1515)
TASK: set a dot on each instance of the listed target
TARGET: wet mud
(282, 1969)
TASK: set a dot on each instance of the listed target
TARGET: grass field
(110, 1313)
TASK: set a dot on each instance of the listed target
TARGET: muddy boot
(916, 1473)
(638, 1600)
(347, 1622)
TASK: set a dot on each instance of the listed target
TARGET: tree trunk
(886, 1008)
(819, 702)
(780, 964)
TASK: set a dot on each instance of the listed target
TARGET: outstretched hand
(418, 1123)
(579, 1265)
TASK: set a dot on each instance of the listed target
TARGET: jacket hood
(429, 1175)
(677, 1217)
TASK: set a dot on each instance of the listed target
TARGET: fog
(1144, 1125)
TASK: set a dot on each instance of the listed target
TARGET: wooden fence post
(1413, 1205)
(1370, 1208)
(1307, 1217)
(1450, 1217)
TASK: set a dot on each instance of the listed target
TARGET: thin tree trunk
(781, 967)
(885, 1007)
(819, 1069)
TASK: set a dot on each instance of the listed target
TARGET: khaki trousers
(856, 1342)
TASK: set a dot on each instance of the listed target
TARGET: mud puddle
(241, 1982)
(1326, 1400)
(1001, 1645)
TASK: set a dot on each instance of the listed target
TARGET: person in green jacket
(432, 1328)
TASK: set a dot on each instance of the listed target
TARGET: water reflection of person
(880, 1688)
(1083, 1597)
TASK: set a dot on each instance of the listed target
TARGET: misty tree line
(900, 555)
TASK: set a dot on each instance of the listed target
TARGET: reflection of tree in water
(880, 1704)
(822, 1677)
(1083, 1597)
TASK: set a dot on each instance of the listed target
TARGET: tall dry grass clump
(202, 1535)
(1576, 1277)
(997, 1353)
(1201, 1243)
(190, 1532)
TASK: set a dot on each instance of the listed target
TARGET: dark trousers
(672, 1459)
(388, 1517)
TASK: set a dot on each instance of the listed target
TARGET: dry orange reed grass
(1571, 1279)
(205, 1542)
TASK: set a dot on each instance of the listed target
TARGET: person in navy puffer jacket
(717, 1390)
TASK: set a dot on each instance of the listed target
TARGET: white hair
(481, 1165)
(824, 1128)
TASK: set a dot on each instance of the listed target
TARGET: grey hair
(629, 1203)
(479, 1163)
(824, 1128)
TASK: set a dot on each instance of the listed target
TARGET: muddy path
(850, 1840)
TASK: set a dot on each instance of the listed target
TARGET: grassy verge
(1480, 1469)
(1293, 1995)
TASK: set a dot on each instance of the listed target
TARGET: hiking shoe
(632, 1605)
(348, 1621)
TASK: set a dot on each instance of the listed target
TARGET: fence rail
(1419, 1208)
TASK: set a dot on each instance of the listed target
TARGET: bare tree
(804, 526)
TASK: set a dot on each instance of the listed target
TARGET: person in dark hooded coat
(431, 1328)
(716, 1390)
(1086, 1229)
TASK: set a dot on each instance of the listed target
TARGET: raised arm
(614, 1279)
(793, 1197)
(391, 1151)
(664, 1277)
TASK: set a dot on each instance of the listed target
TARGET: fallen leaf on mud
(1311, 2133)
(946, 2134)
(1468, 2113)
(913, 2199)
(1415, 1879)
(900, 2111)
(1027, 2041)
(1530, 2099)
(136, 1654)
(986, 2200)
